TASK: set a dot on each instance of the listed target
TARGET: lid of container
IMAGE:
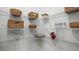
(15, 12)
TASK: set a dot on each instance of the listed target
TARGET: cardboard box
(33, 15)
(74, 25)
(32, 26)
(15, 24)
(15, 12)
(69, 10)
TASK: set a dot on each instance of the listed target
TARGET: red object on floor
(53, 36)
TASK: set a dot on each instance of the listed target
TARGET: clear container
(11, 17)
(45, 18)
(73, 17)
